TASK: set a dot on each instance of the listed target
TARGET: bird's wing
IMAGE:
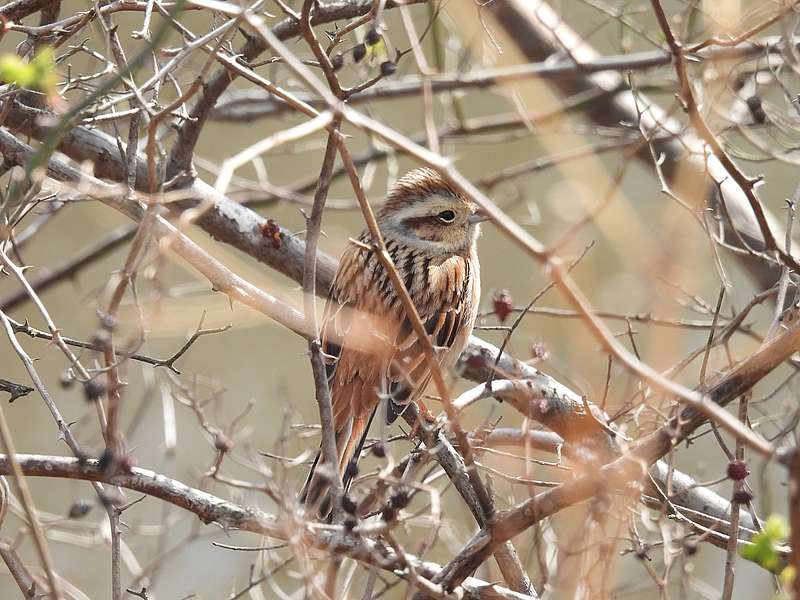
(357, 330)
(370, 345)
(447, 316)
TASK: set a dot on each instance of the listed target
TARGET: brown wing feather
(447, 318)
(356, 333)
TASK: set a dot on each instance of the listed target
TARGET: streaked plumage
(379, 354)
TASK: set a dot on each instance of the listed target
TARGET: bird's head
(424, 211)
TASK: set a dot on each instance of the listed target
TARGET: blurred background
(645, 254)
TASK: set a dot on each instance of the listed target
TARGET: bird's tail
(349, 442)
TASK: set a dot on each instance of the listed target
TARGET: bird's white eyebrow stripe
(413, 208)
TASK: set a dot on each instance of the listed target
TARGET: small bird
(430, 231)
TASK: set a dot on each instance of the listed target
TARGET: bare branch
(212, 509)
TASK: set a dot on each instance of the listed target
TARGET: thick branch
(213, 509)
(19, 9)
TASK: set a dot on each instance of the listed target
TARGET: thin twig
(24, 493)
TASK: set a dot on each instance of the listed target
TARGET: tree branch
(629, 467)
(212, 509)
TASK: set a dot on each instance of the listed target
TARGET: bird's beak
(478, 217)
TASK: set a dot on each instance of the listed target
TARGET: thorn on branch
(15, 389)
(140, 594)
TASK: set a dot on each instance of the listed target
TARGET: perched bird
(430, 231)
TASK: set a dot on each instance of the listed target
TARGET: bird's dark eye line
(446, 216)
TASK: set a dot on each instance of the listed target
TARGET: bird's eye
(446, 216)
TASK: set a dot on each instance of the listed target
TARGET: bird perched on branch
(430, 232)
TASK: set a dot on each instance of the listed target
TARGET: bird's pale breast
(376, 342)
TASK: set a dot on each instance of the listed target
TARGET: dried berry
(503, 305)
(359, 52)
(94, 390)
(272, 231)
(388, 514)
(756, 109)
(79, 509)
(373, 37)
(379, 450)
(337, 61)
(737, 470)
(690, 547)
(349, 523)
(742, 497)
(388, 68)
(348, 505)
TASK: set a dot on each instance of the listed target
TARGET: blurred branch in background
(624, 495)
